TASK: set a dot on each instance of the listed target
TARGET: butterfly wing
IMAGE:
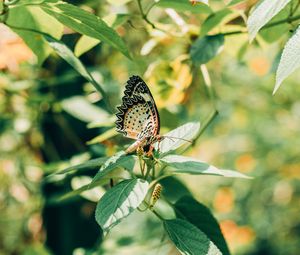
(137, 117)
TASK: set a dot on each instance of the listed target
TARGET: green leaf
(188, 239)
(80, 108)
(289, 60)
(201, 217)
(264, 11)
(102, 123)
(173, 139)
(201, 1)
(104, 136)
(213, 20)
(184, 5)
(182, 164)
(206, 48)
(65, 53)
(93, 163)
(31, 2)
(86, 23)
(76, 192)
(173, 188)
(119, 2)
(120, 201)
(121, 159)
(274, 33)
(234, 2)
(85, 43)
(36, 19)
(93, 194)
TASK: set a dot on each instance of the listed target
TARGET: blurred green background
(50, 118)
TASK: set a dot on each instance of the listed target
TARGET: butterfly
(137, 116)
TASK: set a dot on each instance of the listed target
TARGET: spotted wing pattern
(137, 117)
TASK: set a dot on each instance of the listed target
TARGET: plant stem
(296, 7)
(141, 166)
(152, 210)
(152, 184)
(153, 171)
(209, 120)
(214, 113)
(150, 8)
(148, 171)
(144, 15)
(208, 84)
(288, 19)
(157, 214)
(272, 24)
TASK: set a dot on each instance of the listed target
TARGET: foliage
(190, 53)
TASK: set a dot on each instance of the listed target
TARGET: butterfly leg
(136, 146)
(133, 147)
(150, 151)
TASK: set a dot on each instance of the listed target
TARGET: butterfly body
(138, 117)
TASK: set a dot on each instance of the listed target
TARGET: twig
(157, 214)
(211, 92)
(148, 171)
(152, 184)
(272, 24)
(150, 8)
(209, 120)
(144, 15)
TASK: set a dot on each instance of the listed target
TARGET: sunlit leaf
(64, 52)
(104, 136)
(289, 60)
(274, 33)
(199, 1)
(201, 217)
(85, 43)
(82, 109)
(234, 2)
(30, 2)
(102, 123)
(178, 137)
(264, 11)
(206, 48)
(85, 23)
(121, 159)
(76, 192)
(184, 5)
(188, 239)
(93, 194)
(182, 164)
(119, 2)
(119, 201)
(36, 19)
(93, 163)
(213, 20)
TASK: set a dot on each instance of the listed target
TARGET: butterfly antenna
(172, 137)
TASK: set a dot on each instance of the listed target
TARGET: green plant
(40, 24)
(194, 230)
